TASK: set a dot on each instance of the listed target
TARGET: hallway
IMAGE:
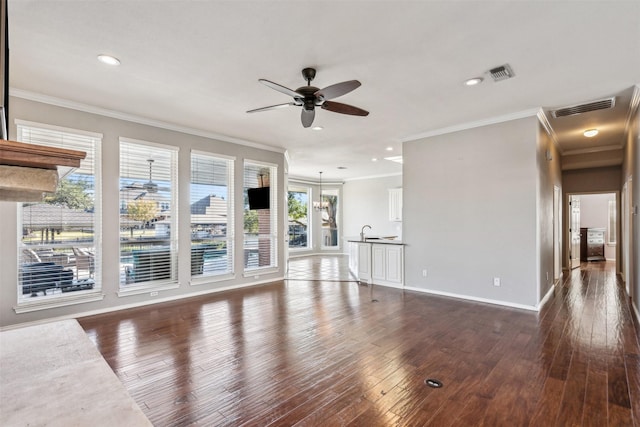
(321, 353)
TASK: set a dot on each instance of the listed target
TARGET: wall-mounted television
(258, 198)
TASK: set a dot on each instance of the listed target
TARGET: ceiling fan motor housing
(308, 97)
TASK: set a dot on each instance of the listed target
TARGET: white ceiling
(197, 65)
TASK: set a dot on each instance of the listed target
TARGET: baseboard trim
(140, 304)
(547, 296)
(476, 299)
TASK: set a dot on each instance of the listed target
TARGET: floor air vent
(602, 104)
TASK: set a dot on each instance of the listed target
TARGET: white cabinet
(353, 258)
(387, 264)
(395, 204)
(364, 262)
(378, 263)
(394, 263)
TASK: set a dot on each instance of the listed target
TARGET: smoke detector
(503, 72)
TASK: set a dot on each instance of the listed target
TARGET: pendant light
(320, 205)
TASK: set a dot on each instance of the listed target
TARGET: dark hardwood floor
(322, 353)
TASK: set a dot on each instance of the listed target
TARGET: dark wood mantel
(37, 156)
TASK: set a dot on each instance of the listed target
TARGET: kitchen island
(377, 260)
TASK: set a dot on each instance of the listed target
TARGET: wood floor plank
(321, 353)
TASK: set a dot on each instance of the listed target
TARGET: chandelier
(320, 204)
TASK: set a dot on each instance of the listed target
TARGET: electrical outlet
(154, 294)
(496, 281)
(424, 273)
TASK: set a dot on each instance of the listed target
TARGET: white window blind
(59, 248)
(260, 223)
(148, 214)
(211, 208)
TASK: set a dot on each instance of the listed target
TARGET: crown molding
(471, 125)
(633, 108)
(386, 175)
(593, 150)
(86, 108)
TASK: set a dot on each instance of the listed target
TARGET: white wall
(594, 213)
(112, 129)
(470, 212)
(366, 201)
(631, 170)
(549, 176)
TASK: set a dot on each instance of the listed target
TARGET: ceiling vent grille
(502, 72)
(602, 104)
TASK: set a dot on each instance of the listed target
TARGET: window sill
(258, 271)
(148, 287)
(26, 307)
(203, 280)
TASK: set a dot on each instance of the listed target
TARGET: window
(59, 251)
(330, 235)
(298, 205)
(611, 224)
(148, 216)
(260, 215)
(211, 204)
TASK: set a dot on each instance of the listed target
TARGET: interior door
(574, 231)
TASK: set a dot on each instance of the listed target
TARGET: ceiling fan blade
(338, 89)
(281, 88)
(338, 107)
(307, 117)
(272, 107)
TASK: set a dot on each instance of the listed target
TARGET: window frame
(273, 216)
(230, 227)
(298, 188)
(145, 286)
(334, 191)
(80, 296)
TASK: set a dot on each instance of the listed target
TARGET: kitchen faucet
(362, 232)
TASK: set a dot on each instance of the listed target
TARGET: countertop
(376, 240)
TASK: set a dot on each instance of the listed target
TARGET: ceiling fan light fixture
(109, 60)
(473, 81)
(590, 133)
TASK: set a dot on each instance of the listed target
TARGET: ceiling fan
(309, 97)
(149, 186)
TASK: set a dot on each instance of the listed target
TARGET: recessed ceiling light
(389, 148)
(590, 133)
(474, 81)
(374, 159)
(108, 59)
(317, 128)
(342, 167)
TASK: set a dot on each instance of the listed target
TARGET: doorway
(593, 228)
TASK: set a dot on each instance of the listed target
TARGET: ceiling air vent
(502, 72)
(602, 104)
